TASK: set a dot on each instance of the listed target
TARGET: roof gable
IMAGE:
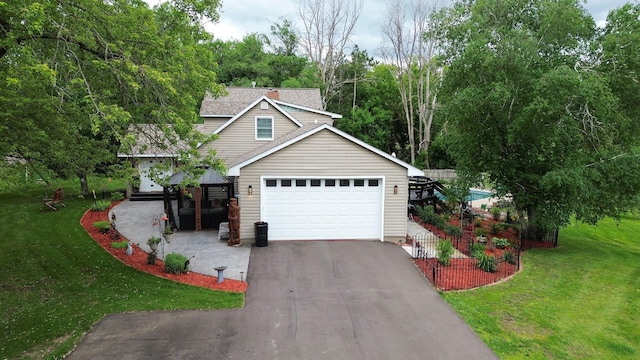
(251, 106)
(302, 133)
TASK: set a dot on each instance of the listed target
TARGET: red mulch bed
(463, 274)
(139, 259)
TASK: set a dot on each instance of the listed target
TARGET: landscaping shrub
(481, 232)
(477, 223)
(174, 263)
(500, 243)
(444, 250)
(100, 205)
(476, 250)
(439, 222)
(495, 229)
(119, 244)
(426, 213)
(509, 257)
(103, 226)
(452, 230)
(488, 263)
(496, 212)
(117, 196)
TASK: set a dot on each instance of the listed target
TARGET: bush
(481, 232)
(119, 244)
(102, 226)
(444, 249)
(496, 212)
(175, 263)
(439, 222)
(452, 230)
(426, 213)
(100, 205)
(488, 263)
(117, 196)
(476, 250)
(477, 223)
(509, 257)
(495, 229)
(500, 242)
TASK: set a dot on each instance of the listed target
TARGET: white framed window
(264, 127)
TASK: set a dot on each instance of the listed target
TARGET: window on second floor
(264, 127)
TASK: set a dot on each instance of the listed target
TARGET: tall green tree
(85, 72)
(527, 103)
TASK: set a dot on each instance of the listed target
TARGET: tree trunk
(84, 184)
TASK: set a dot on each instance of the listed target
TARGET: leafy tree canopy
(78, 74)
(527, 101)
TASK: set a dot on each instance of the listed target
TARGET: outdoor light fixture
(395, 190)
(250, 190)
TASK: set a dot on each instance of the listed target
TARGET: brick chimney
(273, 94)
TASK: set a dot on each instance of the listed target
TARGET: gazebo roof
(210, 177)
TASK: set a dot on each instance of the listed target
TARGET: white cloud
(241, 17)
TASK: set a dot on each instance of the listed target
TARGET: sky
(241, 17)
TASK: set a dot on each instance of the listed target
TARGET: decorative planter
(168, 237)
(153, 246)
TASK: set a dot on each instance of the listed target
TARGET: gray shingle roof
(239, 98)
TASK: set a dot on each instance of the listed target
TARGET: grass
(56, 282)
(579, 301)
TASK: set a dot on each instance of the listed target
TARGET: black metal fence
(473, 263)
(470, 265)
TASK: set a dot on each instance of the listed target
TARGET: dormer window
(264, 127)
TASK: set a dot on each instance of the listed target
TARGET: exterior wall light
(250, 190)
(395, 190)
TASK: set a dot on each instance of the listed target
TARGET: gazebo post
(198, 208)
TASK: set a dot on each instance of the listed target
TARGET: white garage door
(322, 209)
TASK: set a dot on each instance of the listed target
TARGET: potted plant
(153, 242)
(168, 232)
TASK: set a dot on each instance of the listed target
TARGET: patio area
(135, 221)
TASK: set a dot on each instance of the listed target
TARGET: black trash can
(262, 229)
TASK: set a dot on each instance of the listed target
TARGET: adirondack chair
(58, 196)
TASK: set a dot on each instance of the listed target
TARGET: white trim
(273, 127)
(322, 112)
(382, 184)
(411, 170)
(251, 106)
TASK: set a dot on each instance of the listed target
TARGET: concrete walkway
(427, 241)
(135, 221)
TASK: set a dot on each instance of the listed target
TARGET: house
(305, 178)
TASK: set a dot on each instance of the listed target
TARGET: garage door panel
(322, 211)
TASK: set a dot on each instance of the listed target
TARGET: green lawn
(579, 301)
(56, 282)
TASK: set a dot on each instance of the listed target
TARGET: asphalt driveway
(306, 300)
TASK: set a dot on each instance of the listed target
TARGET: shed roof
(210, 176)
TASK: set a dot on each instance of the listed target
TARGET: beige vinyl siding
(307, 117)
(326, 154)
(211, 124)
(240, 136)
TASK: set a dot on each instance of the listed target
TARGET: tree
(377, 119)
(85, 72)
(526, 102)
(328, 27)
(412, 50)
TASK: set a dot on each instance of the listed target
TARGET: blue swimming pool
(474, 194)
